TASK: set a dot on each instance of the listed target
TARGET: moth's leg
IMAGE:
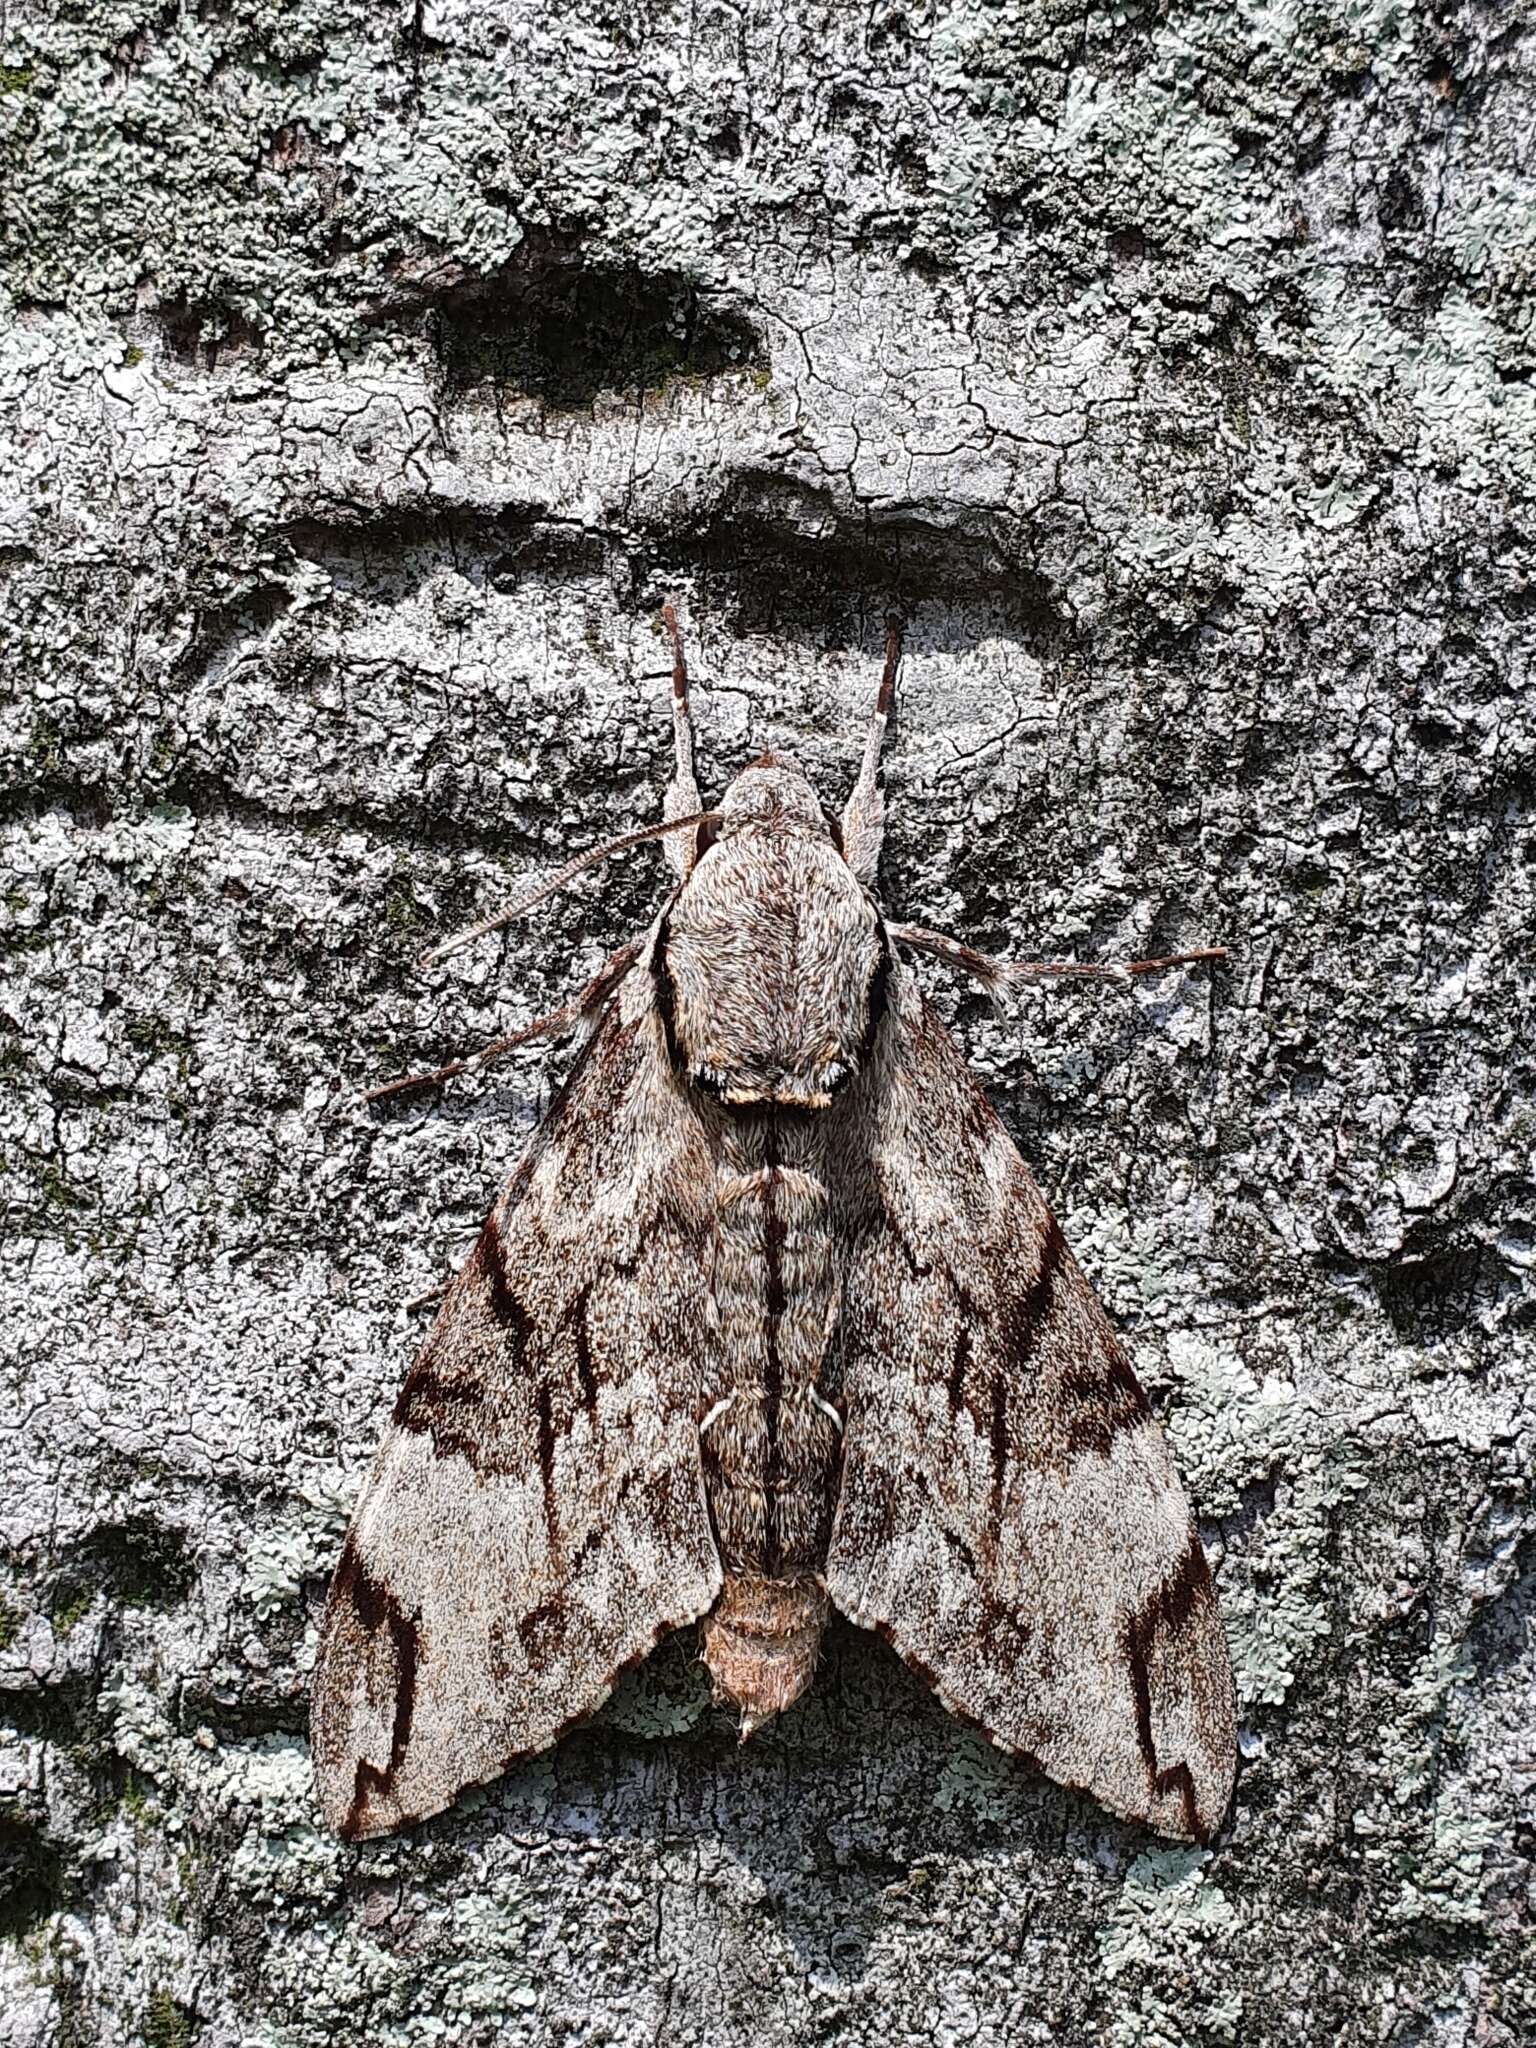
(997, 975)
(682, 798)
(582, 1009)
(864, 813)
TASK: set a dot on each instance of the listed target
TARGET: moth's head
(771, 795)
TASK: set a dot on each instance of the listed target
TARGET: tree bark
(367, 381)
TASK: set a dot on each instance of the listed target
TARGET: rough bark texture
(366, 379)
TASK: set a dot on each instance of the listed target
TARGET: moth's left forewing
(535, 1519)
(1009, 1516)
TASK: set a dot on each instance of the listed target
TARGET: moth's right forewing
(535, 1520)
(1009, 1516)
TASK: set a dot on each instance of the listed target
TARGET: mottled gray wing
(1009, 1517)
(536, 1520)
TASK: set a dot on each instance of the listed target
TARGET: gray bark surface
(367, 377)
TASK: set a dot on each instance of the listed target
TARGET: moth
(771, 1318)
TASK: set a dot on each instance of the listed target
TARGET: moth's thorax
(772, 956)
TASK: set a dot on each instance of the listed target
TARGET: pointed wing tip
(1190, 1800)
(356, 1810)
(345, 1808)
(1176, 1807)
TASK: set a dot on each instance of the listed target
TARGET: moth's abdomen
(761, 1644)
(770, 1435)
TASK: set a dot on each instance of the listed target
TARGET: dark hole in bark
(1430, 1296)
(243, 1712)
(566, 334)
(31, 1876)
(203, 330)
(136, 1563)
(1501, 1629)
(777, 555)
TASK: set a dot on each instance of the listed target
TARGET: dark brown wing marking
(1165, 1617)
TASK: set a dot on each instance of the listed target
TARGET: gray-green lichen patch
(364, 385)
(1169, 1923)
(975, 1779)
(300, 1543)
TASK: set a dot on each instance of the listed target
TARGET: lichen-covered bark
(365, 381)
